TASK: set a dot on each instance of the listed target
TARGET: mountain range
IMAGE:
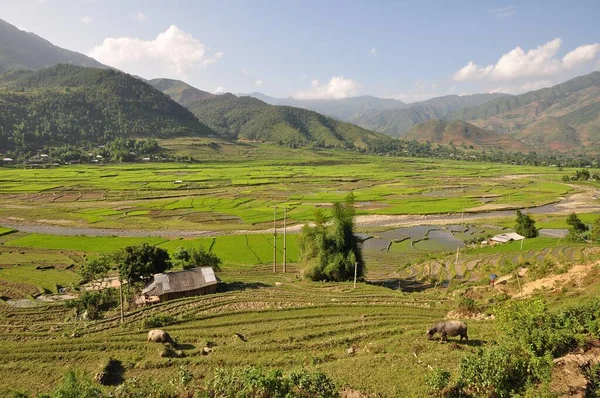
(50, 95)
(24, 50)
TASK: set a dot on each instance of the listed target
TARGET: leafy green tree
(139, 263)
(577, 228)
(331, 252)
(525, 225)
(96, 268)
(196, 257)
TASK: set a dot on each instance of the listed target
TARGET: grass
(80, 243)
(45, 280)
(216, 195)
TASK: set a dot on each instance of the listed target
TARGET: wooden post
(522, 243)
(274, 240)
(284, 240)
(355, 271)
(121, 299)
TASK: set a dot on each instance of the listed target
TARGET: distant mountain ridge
(24, 50)
(385, 115)
(179, 91)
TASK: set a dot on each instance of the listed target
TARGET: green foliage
(93, 302)
(529, 323)
(159, 320)
(438, 379)
(67, 104)
(73, 386)
(592, 375)
(96, 268)
(502, 371)
(138, 263)
(332, 252)
(467, 305)
(577, 229)
(253, 382)
(525, 225)
(196, 257)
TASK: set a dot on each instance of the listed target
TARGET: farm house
(186, 283)
(504, 238)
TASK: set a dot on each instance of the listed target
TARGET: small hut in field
(186, 283)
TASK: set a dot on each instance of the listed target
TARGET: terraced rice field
(287, 326)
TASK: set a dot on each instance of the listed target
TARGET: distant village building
(186, 283)
(504, 238)
(8, 160)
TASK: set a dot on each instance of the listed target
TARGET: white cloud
(258, 83)
(86, 19)
(139, 16)
(173, 52)
(504, 12)
(337, 88)
(535, 63)
(373, 51)
(219, 90)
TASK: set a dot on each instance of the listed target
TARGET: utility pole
(274, 240)
(355, 269)
(121, 299)
(522, 243)
(284, 239)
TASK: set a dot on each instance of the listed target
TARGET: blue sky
(328, 49)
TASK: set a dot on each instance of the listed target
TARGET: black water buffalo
(448, 328)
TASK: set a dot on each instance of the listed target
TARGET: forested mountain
(566, 116)
(68, 104)
(459, 133)
(24, 50)
(396, 122)
(179, 91)
(248, 118)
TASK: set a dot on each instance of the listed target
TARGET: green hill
(465, 134)
(24, 50)
(248, 118)
(179, 91)
(68, 104)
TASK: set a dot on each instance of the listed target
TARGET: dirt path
(584, 201)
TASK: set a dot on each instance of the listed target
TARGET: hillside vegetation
(461, 133)
(24, 50)
(179, 91)
(564, 116)
(67, 104)
(248, 118)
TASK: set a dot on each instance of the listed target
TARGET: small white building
(504, 238)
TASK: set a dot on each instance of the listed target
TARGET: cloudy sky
(409, 50)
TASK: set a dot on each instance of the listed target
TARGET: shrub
(159, 320)
(74, 387)
(502, 371)
(255, 383)
(93, 303)
(467, 305)
(438, 379)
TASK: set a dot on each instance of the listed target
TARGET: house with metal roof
(508, 237)
(186, 283)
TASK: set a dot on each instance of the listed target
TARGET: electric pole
(284, 239)
(355, 268)
(274, 240)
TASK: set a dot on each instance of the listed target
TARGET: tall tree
(196, 257)
(577, 228)
(139, 263)
(331, 252)
(525, 225)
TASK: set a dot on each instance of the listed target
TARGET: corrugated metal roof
(181, 281)
(507, 237)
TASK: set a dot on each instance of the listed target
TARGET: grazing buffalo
(160, 336)
(448, 328)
